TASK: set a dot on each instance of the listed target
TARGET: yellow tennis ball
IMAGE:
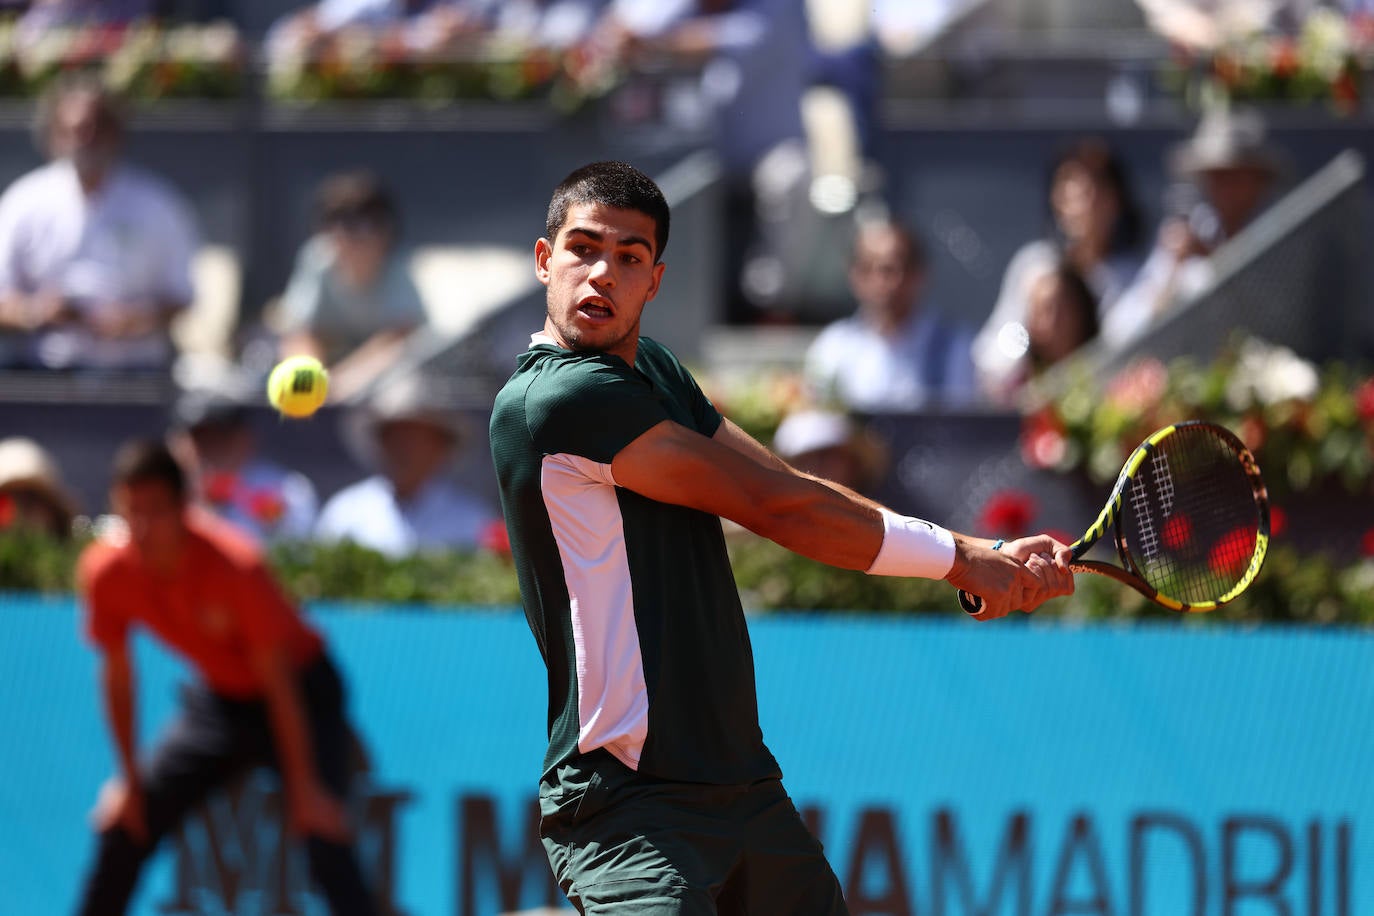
(298, 386)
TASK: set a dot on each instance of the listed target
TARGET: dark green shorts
(623, 843)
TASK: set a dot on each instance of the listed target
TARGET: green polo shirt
(632, 601)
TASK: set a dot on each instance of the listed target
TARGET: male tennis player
(658, 794)
(270, 693)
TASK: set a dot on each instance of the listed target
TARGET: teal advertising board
(1005, 769)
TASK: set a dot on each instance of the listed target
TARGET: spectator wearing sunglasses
(351, 301)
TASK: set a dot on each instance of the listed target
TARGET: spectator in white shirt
(413, 503)
(894, 353)
(95, 255)
(1095, 227)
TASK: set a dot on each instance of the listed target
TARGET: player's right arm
(673, 464)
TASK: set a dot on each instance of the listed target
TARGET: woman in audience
(1095, 229)
(1061, 316)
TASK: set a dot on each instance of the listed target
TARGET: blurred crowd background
(960, 254)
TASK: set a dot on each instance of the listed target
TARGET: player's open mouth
(595, 309)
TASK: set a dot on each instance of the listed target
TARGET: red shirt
(218, 602)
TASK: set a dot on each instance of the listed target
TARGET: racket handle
(972, 604)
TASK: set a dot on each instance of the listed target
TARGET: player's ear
(543, 250)
(657, 279)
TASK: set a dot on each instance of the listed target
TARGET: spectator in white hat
(1236, 171)
(833, 447)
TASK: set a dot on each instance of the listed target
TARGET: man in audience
(894, 353)
(1236, 172)
(413, 503)
(95, 255)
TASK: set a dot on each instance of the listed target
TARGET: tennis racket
(1191, 519)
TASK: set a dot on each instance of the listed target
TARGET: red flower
(1285, 59)
(1178, 531)
(1042, 439)
(494, 538)
(1367, 543)
(219, 487)
(1278, 521)
(1232, 553)
(1364, 400)
(1008, 513)
(1139, 386)
(7, 512)
(266, 506)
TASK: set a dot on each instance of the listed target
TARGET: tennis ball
(298, 386)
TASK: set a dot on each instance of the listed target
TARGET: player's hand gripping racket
(1191, 518)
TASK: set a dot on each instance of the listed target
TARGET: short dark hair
(110, 106)
(1101, 161)
(149, 461)
(611, 184)
(354, 195)
(914, 254)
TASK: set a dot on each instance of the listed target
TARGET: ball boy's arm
(117, 684)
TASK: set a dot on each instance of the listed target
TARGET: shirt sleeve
(11, 278)
(106, 624)
(264, 613)
(300, 304)
(179, 245)
(591, 408)
(403, 308)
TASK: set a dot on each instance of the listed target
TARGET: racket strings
(1190, 517)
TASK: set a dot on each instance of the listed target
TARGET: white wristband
(913, 547)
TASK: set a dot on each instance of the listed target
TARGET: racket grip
(971, 604)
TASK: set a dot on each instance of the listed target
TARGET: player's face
(153, 513)
(600, 272)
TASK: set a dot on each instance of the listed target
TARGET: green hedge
(1293, 587)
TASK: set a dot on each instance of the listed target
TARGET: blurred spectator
(413, 503)
(32, 494)
(895, 352)
(833, 447)
(407, 26)
(213, 437)
(1201, 25)
(42, 16)
(351, 301)
(1095, 226)
(95, 255)
(554, 24)
(1236, 172)
(755, 61)
(1061, 316)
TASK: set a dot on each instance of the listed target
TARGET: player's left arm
(733, 437)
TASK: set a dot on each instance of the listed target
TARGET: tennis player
(658, 794)
(270, 695)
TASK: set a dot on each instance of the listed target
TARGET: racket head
(1191, 517)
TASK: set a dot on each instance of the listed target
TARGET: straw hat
(1227, 138)
(26, 465)
(409, 398)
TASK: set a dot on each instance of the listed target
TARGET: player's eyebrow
(623, 242)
